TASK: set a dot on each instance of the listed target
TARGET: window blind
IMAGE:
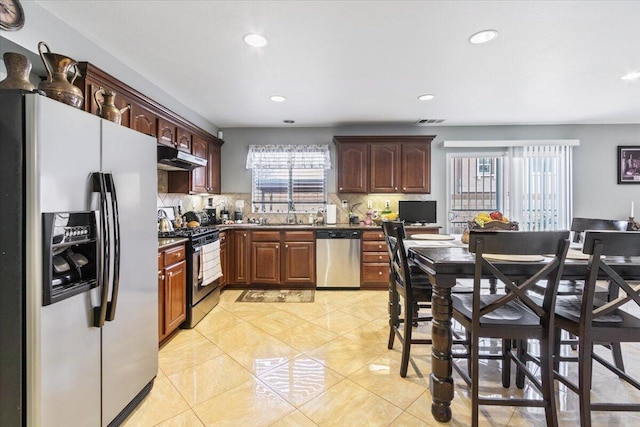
(288, 178)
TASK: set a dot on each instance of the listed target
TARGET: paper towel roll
(331, 214)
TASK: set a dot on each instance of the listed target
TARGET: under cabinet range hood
(171, 159)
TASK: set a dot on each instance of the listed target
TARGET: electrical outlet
(345, 204)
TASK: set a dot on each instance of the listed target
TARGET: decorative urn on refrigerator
(78, 245)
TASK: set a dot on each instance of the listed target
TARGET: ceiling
(365, 62)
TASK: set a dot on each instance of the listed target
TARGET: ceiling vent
(429, 121)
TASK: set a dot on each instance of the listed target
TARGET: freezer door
(129, 341)
(63, 349)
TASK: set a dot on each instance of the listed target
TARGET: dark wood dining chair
(569, 289)
(514, 316)
(409, 285)
(594, 319)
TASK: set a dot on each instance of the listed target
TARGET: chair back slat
(519, 243)
(608, 243)
(394, 236)
(580, 225)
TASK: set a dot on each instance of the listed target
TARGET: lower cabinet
(172, 290)
(265, 257)
(268, 257)
(224, 259)
(299, 258)
(374, 273)
(241, 262)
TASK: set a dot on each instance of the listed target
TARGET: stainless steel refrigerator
(78, 247)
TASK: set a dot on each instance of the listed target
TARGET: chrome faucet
(291, 213)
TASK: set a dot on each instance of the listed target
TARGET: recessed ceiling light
(278, 98)
(426, 97)
(289, 122)
(255, 40)
(483, 36)
(631, 76)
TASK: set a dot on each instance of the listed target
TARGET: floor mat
(277, 295)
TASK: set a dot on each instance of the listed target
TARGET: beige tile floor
(325, 364)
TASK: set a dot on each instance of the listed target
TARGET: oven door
(200, 290)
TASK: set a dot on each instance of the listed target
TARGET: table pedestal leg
(441, 384)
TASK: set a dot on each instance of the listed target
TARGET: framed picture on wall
(628, 164)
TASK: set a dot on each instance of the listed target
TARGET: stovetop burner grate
(187, 232)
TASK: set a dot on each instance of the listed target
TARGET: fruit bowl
(494, 225)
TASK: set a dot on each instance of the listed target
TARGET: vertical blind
(544, 186)
(288, 177)
(532, 184)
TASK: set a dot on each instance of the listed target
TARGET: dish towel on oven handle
(211, 269)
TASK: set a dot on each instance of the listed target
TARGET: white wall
(596, 192)
(41, 25)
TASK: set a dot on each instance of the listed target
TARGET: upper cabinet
(167, 132)
(202, 180)
(384, 164)
(353, 160)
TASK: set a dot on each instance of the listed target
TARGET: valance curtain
(288, 157)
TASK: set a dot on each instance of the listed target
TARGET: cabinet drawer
(374, 246)
(374, 257)
(375, 273)
(373, 235)
(265, 236)
(173, 255)
(298, 236)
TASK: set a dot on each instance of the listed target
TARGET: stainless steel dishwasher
(338, 258)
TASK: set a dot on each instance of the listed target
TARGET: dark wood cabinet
(384, 168)
(265, 262)
(353, 160)
(416, 167)
(183, 140)
(201, 180)
(384, 164)
(374, 272)
(143, 120)
(166, 132)
(224, 259)
(265, 257)
(298, 260)
(175, 295)
(199, 176)
(241, 256)
(213, 168)
(172, 290)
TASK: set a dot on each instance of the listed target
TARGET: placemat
(518, 258)
(432, 237)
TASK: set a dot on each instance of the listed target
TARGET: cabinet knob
(161, 277)
(379, 273)
(395, 188)
(340, 188)
(404, 189)
(379, 246)
(286, 246)
(276, 246)
(178, 254)
(171, 274)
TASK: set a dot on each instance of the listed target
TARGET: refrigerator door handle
(100, 186)
(111, 305)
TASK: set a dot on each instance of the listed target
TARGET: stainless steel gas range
(203, 271)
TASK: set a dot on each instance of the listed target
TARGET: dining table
(445, 263)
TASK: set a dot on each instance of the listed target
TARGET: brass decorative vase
(57, 86)
(18, 69)
(107, 108)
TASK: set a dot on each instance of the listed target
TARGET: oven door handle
(200, 266)
(100, 186)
